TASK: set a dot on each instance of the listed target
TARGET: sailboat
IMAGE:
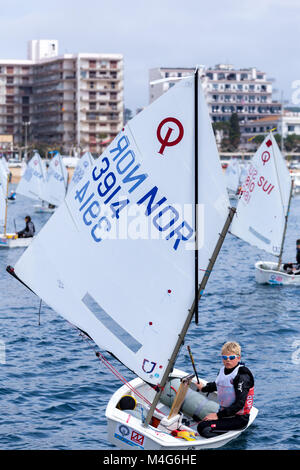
(7, 239)
(48, 188)
(263, 209)
(33, 180)
(135, 297)
(232, 175)
(83, 165)
(55, 185)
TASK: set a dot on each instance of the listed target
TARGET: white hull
(232, 195)
(266, 272)
(7, 242)
(127, 431)
(43, 209)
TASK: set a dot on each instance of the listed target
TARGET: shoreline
(16, 173)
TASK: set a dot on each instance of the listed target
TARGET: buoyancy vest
(226, 391)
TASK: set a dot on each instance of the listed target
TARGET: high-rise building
(246, 92)
(73, 101)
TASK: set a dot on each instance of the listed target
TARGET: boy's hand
(211, 416)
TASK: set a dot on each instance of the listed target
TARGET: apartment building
(286, 124)
(246, 92)
(72, 101)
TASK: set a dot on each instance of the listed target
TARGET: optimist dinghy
(126, 429)
(267, 272)
(135, 295)
(8, 240)
(33, 181)
(47, 187)
(263, 209)
(232, 176)
(55, 186)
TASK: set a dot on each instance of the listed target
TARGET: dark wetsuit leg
(213, 428)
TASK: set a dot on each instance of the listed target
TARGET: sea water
(54, 390)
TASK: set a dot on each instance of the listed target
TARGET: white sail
(232, 175)
(4, 164)
(2, 204)
(243, 172)
(3, 176)
(3, 190)
(83, 166)
(56, 181)
(32, 183)
(130, 292)
(261, 210)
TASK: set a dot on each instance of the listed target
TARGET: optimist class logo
(265, 157)
(165, 137)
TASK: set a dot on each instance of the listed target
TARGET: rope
(117, 374)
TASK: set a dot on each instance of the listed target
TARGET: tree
(127, 115)
(292, 143)
(221, 131)
(234, 131)
(258, 139)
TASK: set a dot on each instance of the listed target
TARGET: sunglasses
(229, 357)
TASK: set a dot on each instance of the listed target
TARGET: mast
(6, 204)
(196, 191)
(285, 225)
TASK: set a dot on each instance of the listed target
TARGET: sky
(167, 33)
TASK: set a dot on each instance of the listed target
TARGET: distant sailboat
(33, 180)
(47, 187)
(135, 297)
(262, 210)
(7, 240)
(55, 186)
(83, 166)
(232, 176)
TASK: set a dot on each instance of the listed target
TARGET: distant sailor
(235, 387)
(294, 268)
(12, 196)
(29, 229)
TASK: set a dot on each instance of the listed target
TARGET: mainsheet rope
(116, 373)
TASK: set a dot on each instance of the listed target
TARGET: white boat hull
(126, 431)
(9, 242)
(266, 272)
(39, 209)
